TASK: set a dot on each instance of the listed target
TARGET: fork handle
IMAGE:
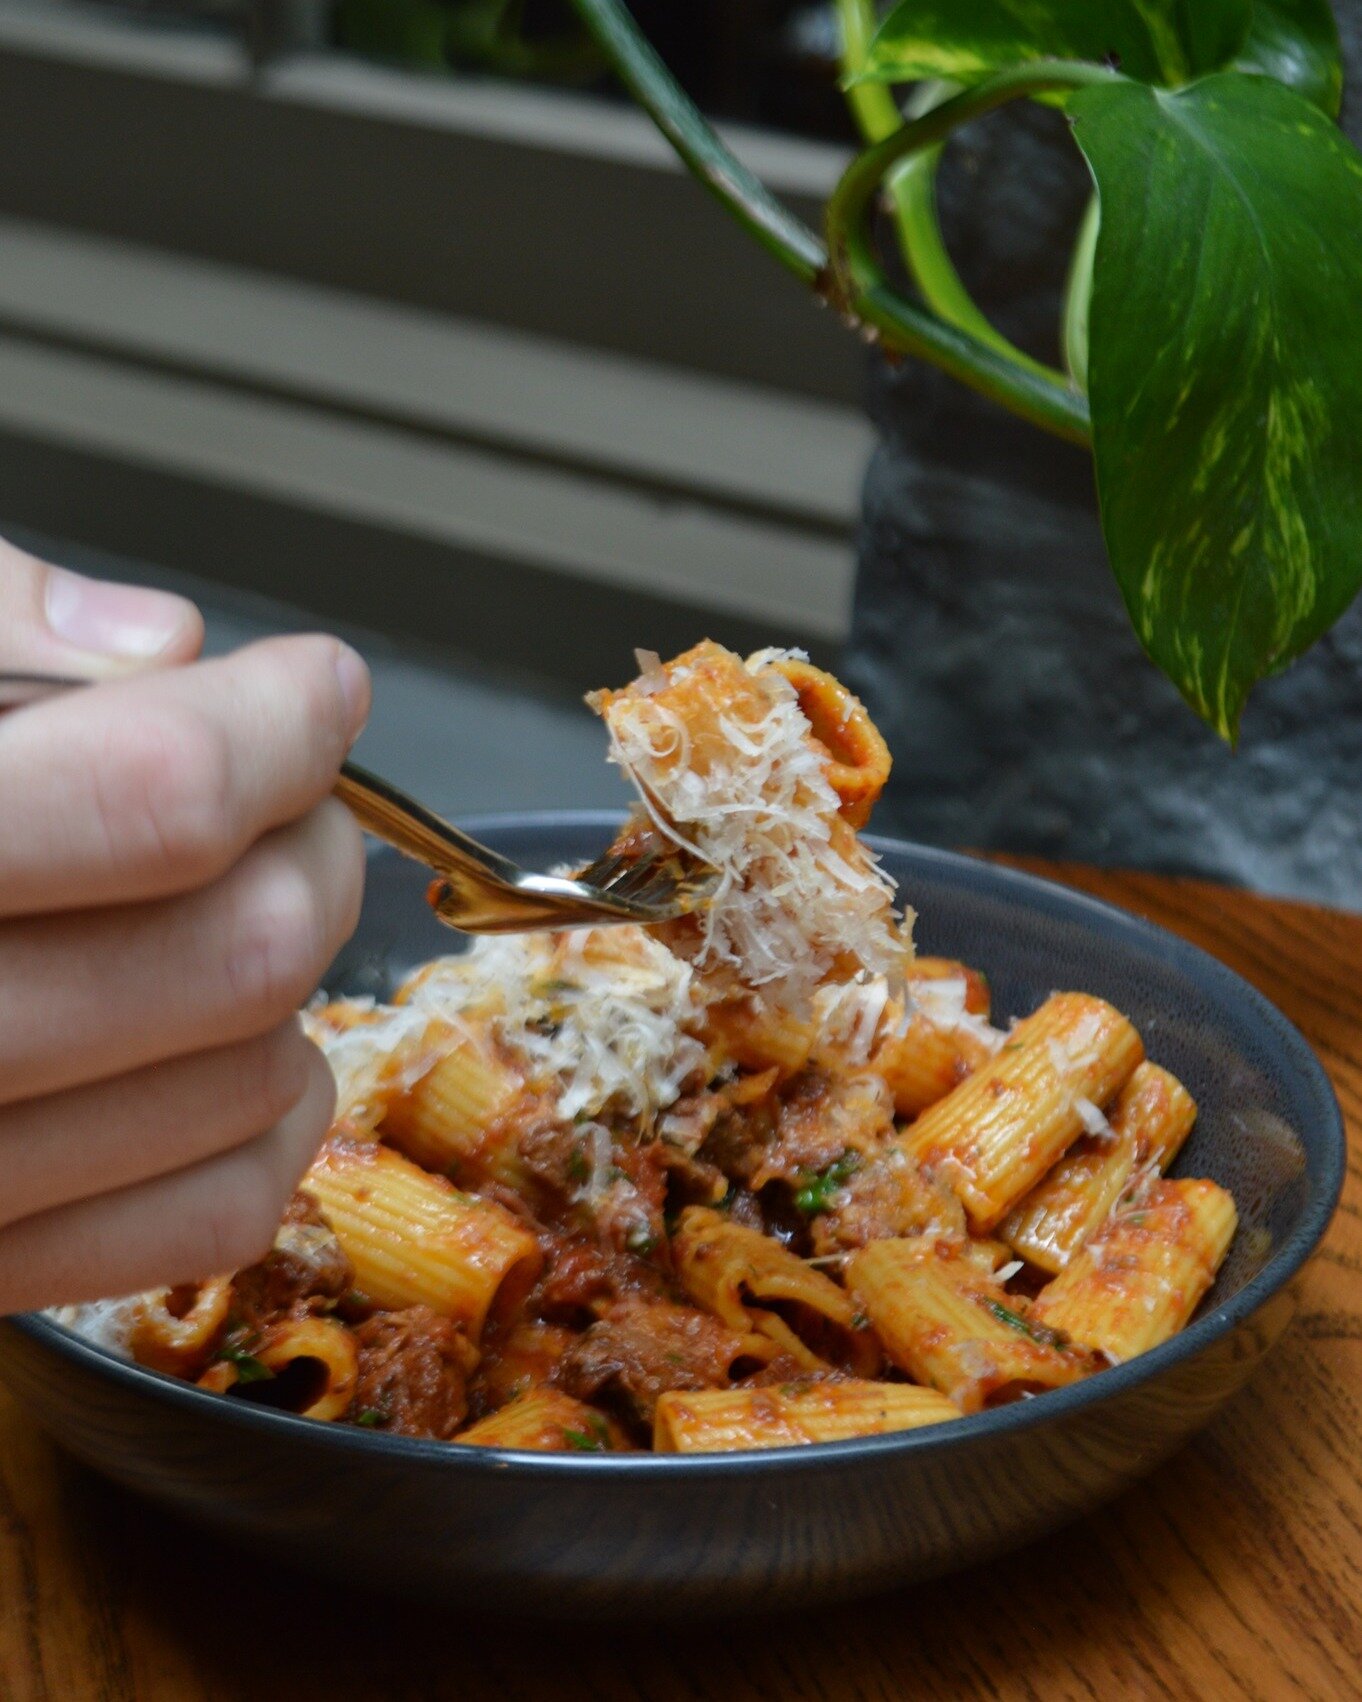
(411, 828)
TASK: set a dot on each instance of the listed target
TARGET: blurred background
(392, 314)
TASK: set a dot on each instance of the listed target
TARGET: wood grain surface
(1235, 1571)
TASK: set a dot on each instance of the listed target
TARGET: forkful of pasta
(476, 890)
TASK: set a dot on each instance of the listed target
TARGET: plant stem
(872, 105)
(861, 292)
(1078, 295)
(857, 274)
(852, 254)
(645, 76)
(911, 188)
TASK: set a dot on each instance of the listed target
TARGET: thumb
(54, 621)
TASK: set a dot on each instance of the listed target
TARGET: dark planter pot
(989, 639)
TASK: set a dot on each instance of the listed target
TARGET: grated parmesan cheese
(943, 1003)
(849, 1015)
(375, 1052)
(105, 1323)
(1094, 1120)
(791, 905)
(598, 1017)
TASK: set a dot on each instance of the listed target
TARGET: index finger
(150, 786)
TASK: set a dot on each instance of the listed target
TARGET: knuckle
(273, 1076)
(241, 1221)
(166, 798)
(280, 946)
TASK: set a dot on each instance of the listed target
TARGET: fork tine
(603, 870)
(635, 878)
(674, 892)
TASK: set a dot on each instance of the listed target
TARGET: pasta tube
(946, 1323)
(992, 1138)
(717, 1420)
(321, 1354)
(756, 1035)
(1141, 1277)
(859, 760)
(546, 1421)
(922, 1065)
(1148, 1122)
(175, 1329)
(415, 1240)
(459, 1118)
(946, 1039)
(753, 1283)
(927, 976)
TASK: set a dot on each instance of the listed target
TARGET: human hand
(174, 879)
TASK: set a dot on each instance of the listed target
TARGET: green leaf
(1225, 373)
(1296, 41)
(1153, 41)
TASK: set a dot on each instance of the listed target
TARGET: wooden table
(1236, 1570)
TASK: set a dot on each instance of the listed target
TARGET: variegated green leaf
(1153, 41)
(1296, 41)
(1225, 373)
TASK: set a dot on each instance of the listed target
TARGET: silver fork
(477, 890)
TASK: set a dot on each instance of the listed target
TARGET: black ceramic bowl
(581, 1535)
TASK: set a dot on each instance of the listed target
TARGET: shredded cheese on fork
(799, 900)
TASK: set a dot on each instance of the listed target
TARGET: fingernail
(354, 681)
(112, 620)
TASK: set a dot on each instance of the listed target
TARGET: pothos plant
(1212, 330)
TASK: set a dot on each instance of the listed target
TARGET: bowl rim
(975, 1429)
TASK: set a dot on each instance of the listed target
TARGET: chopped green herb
(1038, 1332)
(1004, 1315)
(248, 1368)
(577, 1167)
(640, 1240)
(859, 1321)
(813, 1196)
(595, 1439)
(371, 1418)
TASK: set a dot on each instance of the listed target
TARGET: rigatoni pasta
(415, 1240)
(1146, 1124)
(547, 1421)
(992, 1138)
(711, 1421)
(753, 1283)
(948, 1324)
(1139, 1280)
(756, 1178)
(459, 1117)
